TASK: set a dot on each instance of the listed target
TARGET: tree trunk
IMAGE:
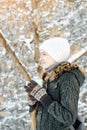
(36, 35)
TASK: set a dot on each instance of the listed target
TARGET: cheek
(42, 60)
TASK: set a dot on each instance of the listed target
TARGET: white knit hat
(58, 48)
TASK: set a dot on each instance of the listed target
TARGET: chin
(45, 67)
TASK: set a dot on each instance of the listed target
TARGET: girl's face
(46, 60)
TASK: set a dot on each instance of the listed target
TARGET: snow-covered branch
(79, 54)
(14, 56)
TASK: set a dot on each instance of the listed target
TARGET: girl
(57, 99)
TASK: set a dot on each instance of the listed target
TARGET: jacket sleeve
(64, 111)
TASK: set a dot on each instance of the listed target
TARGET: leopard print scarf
(56, 72)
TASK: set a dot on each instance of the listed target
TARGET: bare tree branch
(16, 59)
(79, 54)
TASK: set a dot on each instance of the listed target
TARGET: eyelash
(44, 54)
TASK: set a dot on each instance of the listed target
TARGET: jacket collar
(57, 70)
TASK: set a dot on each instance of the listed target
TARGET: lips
(42, 62)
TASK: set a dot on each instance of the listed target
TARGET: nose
(40, 59)
(41, 56)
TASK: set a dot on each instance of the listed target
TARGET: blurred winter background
(19, 20)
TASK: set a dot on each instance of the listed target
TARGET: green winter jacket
(59, 110)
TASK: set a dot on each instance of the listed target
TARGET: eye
(43, 54)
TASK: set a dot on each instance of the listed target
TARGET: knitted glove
(34, 89)
(39, 93)
(31, 99)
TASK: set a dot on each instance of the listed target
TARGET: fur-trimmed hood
(58, 70)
